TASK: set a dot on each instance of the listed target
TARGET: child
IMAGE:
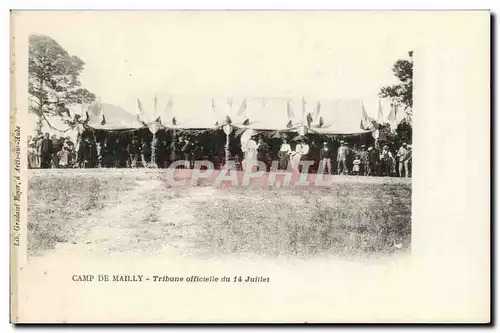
(355, 165)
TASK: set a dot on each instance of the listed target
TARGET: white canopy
(326, 116)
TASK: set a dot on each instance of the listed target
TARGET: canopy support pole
(174, 146)
(153, 151)
(226, 158)
(227, 130)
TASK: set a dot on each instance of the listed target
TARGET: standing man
(284, 154)
(56, 148)
(403, 159)
(178, 149)
(363, 154)
(325, 157)
(84, 153)
(263, 152)
(92, 153)
(187, 149)
(134, 151)
(386, 158)
(410, 154)
(342, 158)
(46, 152)
(373, 159)
(172, 150)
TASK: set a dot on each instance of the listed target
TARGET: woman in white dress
(65, 154)
(250, 152)
(32, 153)
(301, 149)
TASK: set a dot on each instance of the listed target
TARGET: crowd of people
(345, 160)
(135, 151)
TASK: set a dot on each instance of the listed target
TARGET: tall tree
(402, 93)
(53, 83)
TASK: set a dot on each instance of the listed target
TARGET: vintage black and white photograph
(248, 166)
(285, 144)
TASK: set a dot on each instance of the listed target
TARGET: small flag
(289, 111)
(213, 105)
(169, 105)
(103, 120)
(316, 111)
(392, 115)
(321, 122)
(380, 115)
(243, 107)
(139, 105)
(289, 124)
(174, 121)
(246, 122)
(95, 108)
(228, 120)
(365, 120)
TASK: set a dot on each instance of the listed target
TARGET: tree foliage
(403, 133)
(53, 83)
(402, 93)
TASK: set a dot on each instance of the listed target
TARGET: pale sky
(312, 54)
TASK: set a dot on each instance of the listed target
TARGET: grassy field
(351, 218)
(56, 202)
(346, 219)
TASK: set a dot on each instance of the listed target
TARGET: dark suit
(373, 158)
(325, 157)
(46, 153)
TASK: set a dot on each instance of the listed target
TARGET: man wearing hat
(363, 156)
(373, 161)
(263, 152)
(342, 158)
(284, 154)
(46, 151)
(403, 159)
(325, 157)
(134, 151)
(386, 159)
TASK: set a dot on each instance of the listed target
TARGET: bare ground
(107, 213)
